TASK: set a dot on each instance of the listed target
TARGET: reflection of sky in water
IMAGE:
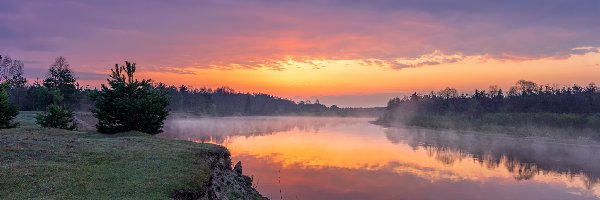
(348, 158)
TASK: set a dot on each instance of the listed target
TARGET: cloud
(584, 50)
(169, 69)
(90, 76)
(232, 34)
(434, 58)
(33, 73)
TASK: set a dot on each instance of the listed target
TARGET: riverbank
(40, 163)
(586, 126)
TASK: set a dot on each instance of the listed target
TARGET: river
(350, 158)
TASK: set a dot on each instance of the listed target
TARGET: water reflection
(524, 157)
(219, 129)
(348, 158)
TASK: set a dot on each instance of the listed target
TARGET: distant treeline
(525, 96)
(224, 101)
(525, 103)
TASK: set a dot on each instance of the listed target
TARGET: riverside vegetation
(527, 109)
(58, 163)
(60, 87)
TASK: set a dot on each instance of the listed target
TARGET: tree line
(523, 97)
(59, 94)
(126, 104)
(225, 101)
(60, 85)
(526, 103)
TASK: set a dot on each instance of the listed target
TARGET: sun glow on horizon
(354, 77)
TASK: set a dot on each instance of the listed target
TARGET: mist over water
(349, 158)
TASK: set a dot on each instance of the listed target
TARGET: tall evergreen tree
(129, 104)
(8, 111)
(248, 106)
(56, 117)
(60, 77)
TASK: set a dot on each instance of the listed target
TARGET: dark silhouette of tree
(56, 117)
(248, 106)
(11, 72)
(523, 97)
(8, 111)
(60, 77)
(60, 87)
(5, 63)
(225, 101)
(129, 104)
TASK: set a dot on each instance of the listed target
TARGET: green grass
(27, 118)
(39, 163)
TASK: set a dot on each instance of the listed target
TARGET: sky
(344, 52)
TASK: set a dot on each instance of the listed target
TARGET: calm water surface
(349, 158)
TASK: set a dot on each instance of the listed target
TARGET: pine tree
(60, 77)
(128, 104)
(56, 117)
(8, 111)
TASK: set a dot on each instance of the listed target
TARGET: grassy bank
(526, 124)
(44, 163)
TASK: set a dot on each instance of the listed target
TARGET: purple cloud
(265, 33)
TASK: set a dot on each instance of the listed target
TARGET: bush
(129, 104)
(8, 111)
(56, 117)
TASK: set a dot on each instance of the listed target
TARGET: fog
(525, 157)
(217, 129)
(298, 148)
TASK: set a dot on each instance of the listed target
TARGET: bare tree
(5, 63)
(448, 93)
(11, 72)
(16, 78)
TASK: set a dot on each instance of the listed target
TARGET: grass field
(40, 163)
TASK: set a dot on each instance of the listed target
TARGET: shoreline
(488, 124)
(59, 164)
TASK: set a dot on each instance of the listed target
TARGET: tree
(56, 117)
(448, 93)
(128, 104)
(40, 97)
(11, 72)
(5, 63)
(8, 111)
(248, 106)
(60, 77)
(526, 87)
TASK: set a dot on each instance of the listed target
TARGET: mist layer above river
(349, 158)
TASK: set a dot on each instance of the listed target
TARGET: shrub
(128, 104)
(56, 117)
(8, 111)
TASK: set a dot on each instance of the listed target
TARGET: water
(349, 158)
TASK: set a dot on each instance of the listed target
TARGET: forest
(60, 85)
(525, 103)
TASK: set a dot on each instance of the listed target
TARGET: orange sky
(348, 77)
(333, 50)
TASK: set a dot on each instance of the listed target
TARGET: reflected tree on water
(524, 158)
